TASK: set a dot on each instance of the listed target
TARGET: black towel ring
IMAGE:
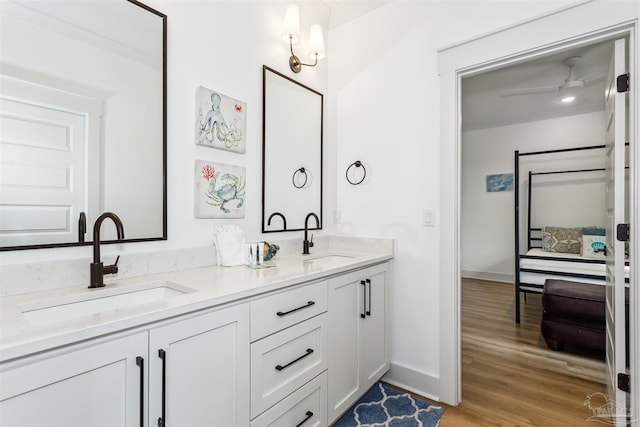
(357, 164)
(302, 171)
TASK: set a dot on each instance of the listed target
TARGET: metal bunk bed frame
(531, 287)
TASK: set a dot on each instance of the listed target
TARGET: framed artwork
(219, 190)
(499, 182)
(220, 121)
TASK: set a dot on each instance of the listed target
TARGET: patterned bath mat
(384, 406)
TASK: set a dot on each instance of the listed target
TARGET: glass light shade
(567, 95)
(316, 42)
(291, 25)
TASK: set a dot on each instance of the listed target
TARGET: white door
(615, 203)
(199, 371)
(346, 312)
(47, 140)
(97, 386)
(358, 328)
(375, 352)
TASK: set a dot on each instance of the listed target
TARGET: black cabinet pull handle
(281, 367)
(369, 307)
(309, 414)
(140, 362)
(307, 305)
(363, 315)
(163, 355)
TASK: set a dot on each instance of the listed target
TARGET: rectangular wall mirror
(82, 121)
(292, 153)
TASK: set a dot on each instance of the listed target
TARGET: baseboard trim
(483, 275)
(412, 380)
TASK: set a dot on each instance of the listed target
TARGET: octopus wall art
(220, 121)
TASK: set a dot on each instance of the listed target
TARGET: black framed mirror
(291, 153)
(83, 110)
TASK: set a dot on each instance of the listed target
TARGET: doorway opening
(509, 108)
(530, 40)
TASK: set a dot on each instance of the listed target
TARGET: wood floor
(509, 376)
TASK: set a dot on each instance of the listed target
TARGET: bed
(533, 264)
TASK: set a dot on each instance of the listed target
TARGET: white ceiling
(484, 107)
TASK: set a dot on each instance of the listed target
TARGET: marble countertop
(212, 286)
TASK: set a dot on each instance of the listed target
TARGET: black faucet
(82, 227)
(306, 244)
(97, 270)
(284, 220)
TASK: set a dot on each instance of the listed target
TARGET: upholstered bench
(574, 313)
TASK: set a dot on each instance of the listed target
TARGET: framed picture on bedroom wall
(499, 182)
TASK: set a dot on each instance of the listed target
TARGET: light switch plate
(427, 217)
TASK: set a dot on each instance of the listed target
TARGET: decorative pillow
(594, 231)
(561, 239)
(593, 246)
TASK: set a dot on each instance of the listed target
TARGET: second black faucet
(97, 269)
(306, 243)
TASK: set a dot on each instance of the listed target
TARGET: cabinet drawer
(283, 362)
(271, 314)
(305, 407)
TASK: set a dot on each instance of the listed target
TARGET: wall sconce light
(291, 35)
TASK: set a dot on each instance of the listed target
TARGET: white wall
(384, 111)
(221, 45)
(486, 219)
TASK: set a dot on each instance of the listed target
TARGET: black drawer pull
(363, 315)
(369, 308)
(140, 363)
(307, 305)
(281, 367)
(309, 414)
(162, 421)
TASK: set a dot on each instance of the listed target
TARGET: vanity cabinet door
(199, 370)
(83, 386)
(344, 330)
(375, 336)
(358, 335)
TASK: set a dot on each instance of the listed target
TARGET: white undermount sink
(328, 258)
(100, 301)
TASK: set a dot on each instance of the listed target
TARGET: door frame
(580, 24)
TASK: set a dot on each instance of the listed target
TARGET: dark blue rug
(384, 406)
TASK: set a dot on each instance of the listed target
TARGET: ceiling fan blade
(527, 91)
(591, 79)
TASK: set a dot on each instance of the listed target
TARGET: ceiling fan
(565, 90)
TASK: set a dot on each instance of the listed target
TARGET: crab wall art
(219, 190)
(220, 121)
